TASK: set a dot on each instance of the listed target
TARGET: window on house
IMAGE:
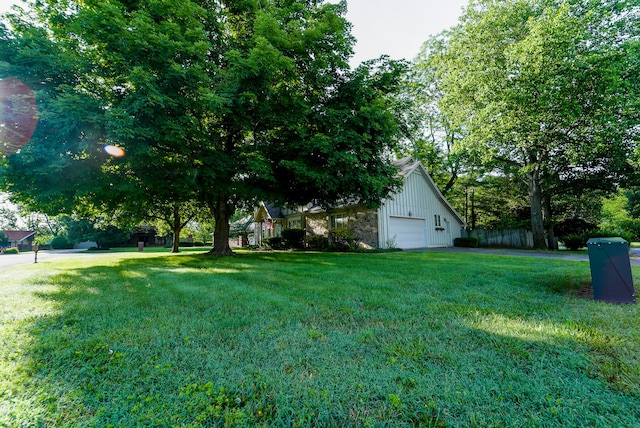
(295, 223)
(339, 221)
(437, 220)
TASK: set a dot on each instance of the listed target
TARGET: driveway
(634, 254)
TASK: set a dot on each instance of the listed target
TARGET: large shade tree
(548, 87)
(430, 136)
(221, 102)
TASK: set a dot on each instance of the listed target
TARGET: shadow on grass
(311, 340)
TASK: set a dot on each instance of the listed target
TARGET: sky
(388, 27)
(398, 28)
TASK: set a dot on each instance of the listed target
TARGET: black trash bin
(611, 270)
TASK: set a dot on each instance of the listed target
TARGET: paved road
(10, 260)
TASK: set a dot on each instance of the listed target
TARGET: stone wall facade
(317, 224)
(362, 223)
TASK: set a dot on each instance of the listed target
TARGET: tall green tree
(548, 87)
(221, 102)
(431, 136)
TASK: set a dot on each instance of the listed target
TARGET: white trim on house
(419, 198)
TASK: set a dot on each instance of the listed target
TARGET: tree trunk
(222, 211)
(535, 197)
(450, 183)
(177, 228)
(551, 236)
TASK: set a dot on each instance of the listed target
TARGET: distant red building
(22, 239)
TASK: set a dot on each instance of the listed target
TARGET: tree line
(211, 106)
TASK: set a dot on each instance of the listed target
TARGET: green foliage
(632, 205)
(61, 242)
(109, 236)
(466, 242)
(275, 243)
(4, 240)
(341, 239)
(616, 217)
(318, 243)
(11, 250)
(603, 233)
(294, 238)
(573, 226)
(574, 241)
(271, 339)
(219, 104)
(103, 233)
(542, 89)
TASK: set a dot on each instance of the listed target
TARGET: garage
(408, 232)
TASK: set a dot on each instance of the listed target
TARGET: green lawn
(296, 339)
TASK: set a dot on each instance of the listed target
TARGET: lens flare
(114, 151)
(18, 115)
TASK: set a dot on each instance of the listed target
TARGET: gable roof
(19, 235)
(241, 226)
(268, 211)
(408, 166)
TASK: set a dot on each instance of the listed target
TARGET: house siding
(419, 199)
(417, 216)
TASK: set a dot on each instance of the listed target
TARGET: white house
(417, 216)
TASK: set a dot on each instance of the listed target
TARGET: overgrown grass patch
(303, 339)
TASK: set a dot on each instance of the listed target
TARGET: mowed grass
(303, 339)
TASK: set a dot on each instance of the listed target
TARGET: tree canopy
(217, 102)
(548, 87)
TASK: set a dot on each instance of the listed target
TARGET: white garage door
(408, 232)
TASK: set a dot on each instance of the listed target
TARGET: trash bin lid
(607, 241)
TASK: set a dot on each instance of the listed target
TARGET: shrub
(575, 241)
(61, 243)
(318, 243)
(573, 226)
(12, 250)
(275, 243)
(341, 239)
(198, 244)
(466, 242)
(294, 238)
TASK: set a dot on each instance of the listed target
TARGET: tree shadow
(199, 340)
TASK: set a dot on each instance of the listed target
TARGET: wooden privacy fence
(504, 238)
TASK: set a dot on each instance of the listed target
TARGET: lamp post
(35, 248)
